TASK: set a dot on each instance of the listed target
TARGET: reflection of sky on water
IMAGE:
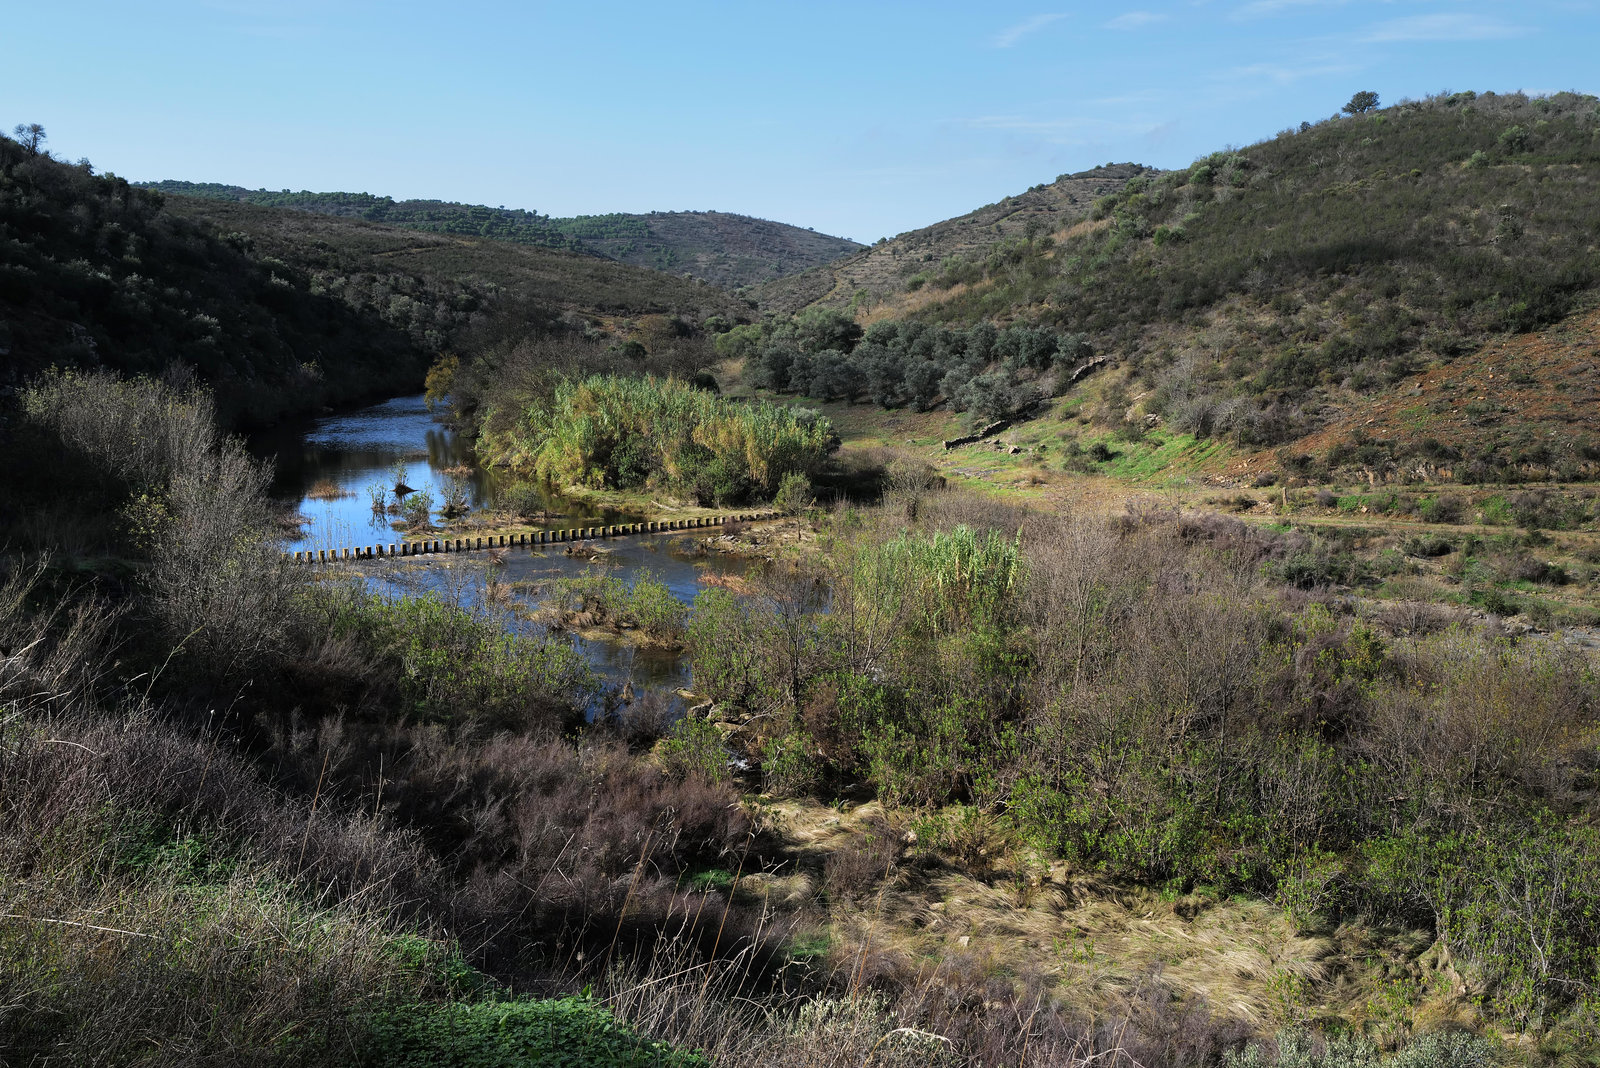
(359, 449)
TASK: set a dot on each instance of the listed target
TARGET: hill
(903, 263)
(1274, 298)
(96, 273)
(720, 248)
(282, 311)
(717, 247)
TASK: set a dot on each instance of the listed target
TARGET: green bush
(726, 638)
(791, 763)
(648, 605)
(695, 747)
(570, 1032)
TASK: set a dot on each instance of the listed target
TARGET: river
(325, 468)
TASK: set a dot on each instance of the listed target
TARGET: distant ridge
(718, 247)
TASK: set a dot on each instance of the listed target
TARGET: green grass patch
(533, 1033)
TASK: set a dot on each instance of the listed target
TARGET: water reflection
(329, 467)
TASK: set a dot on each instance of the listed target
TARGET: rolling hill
(281, 311)
(905, 261)
(1330, 298)
(718, 247)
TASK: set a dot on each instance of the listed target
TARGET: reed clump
(609, 431)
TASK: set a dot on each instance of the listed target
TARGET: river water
(326, 467)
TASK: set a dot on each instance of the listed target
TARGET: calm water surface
(361, 452)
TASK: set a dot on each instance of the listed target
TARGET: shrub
(525, 500)
(449, 664)
(853, 871)
(457, 497)
(791, 763)
(216, 584)
(1427, 545)
(695, 748)
(417, 508)
(1298, 1049)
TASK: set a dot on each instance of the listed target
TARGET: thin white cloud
(1134, 19)
(1017, 122)
(1442, 28)
(1263, 8)
(1285, 75)
(1012, 34)
(1161, 133)
(1060, 131)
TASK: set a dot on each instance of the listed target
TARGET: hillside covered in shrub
(97, 273)
(719, 247)
(283, 311)
(1261, 294)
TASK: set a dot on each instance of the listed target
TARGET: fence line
(534, 538)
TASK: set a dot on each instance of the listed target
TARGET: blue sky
(862, 119)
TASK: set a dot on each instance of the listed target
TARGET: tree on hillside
(1361, 103)
(30, 135)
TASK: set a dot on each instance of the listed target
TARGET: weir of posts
(429, 547)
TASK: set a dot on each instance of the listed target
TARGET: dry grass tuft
(327, 489)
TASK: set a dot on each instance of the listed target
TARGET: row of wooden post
(538, 537)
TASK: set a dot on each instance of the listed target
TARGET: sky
(861, 119)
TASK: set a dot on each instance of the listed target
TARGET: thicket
(627, 432)
(1146, 699)
(597, 599)
(989, 371)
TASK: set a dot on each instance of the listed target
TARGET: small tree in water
(794, 497)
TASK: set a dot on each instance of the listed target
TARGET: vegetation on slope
(903, 263)
(1261, 294)
(717, 247)
(464, 296)
(95, 272)
(991, 373)
(282, 311)
(1147, 700)
(380, 828)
